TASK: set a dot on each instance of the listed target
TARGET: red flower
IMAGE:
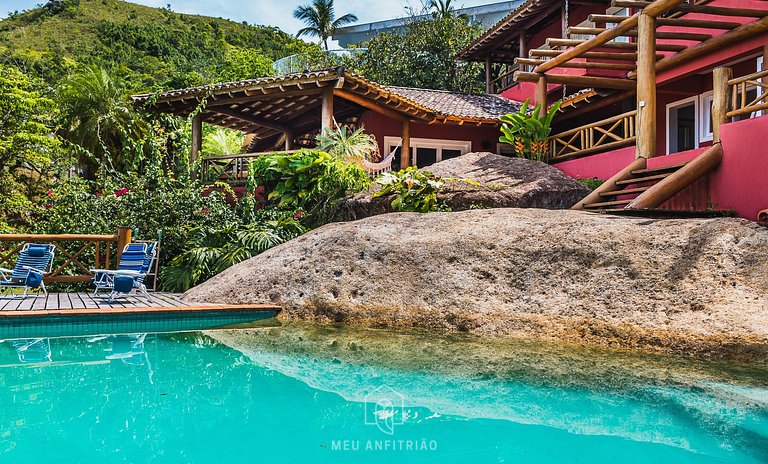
(99, 194)
(50, 193)
(205, 211)
(298, 215)
(121, 192)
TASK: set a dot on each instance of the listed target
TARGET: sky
(268, 12)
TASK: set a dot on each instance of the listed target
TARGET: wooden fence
(75, 254)
(608, 134)
(232, 169)
(741, 103)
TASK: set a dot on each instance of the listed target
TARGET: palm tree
(441, 8)
(321, 20)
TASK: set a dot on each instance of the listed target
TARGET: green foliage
(423, 55)
(528, 132)
(414, 190)
(28, 152)
(100, 122)
(244, 63)
(223, 141)
(349, 146)
(309, 180)
(211, 251)
(592, 183)
(320, 20)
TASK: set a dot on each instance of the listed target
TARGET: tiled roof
(458, 104)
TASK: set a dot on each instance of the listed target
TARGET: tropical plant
(222, 142)
(321, 20)
(209, 251)
(528, 132)
(441, 8)
(351, 146)
(28, 151)
(310, 180)
(100, 122)
(414, 190)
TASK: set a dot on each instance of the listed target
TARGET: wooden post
(646, 86)
(523, 49)
(541, 92)
(327, 110)
(405, 146)
(720, 99)
(123, 238)
(289, 140)
(765, 58)
(197, 136)
(488, 85)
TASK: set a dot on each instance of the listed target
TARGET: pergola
(644, 57)
(277, 110)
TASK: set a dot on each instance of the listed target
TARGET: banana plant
(528, 132)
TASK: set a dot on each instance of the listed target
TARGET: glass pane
(426, 156)
(448, 154)
(396, 165)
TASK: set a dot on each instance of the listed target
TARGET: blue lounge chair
(34, 262)
(135, 263)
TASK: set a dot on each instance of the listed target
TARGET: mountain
(151, 48)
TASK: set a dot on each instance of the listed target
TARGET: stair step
(607, 203)
(613, 193)
(659, 169)
(637, 180)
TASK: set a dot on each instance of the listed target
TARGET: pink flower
(298, 215)
(205, 211)
(121, 192)
(50, 193)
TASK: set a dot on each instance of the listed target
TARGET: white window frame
(705, 117)
(619, 12)
(464, 146)
(685, 101)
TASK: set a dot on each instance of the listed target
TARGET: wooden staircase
(638, 181)
(640, 188)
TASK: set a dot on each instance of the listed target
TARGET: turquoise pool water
(307, 394)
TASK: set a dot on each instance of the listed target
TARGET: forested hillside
(148, 48)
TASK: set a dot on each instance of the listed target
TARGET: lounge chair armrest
(36, 270)
(115, 272)
(2, 269)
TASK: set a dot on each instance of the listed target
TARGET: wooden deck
(82, 303)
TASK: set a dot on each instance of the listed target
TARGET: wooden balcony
(608, 134)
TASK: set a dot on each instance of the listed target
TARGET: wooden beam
(197, 139)
(687, 8)
(578, 81)
(721, 99)
(540, 98)
(251, 119)
(659, 35)
(719, 42)
(677, 22)
(326, 115)
(646, 87)
(220, 100)
(405, 146)
(582, 47)
(615, 45)
(616, 56)
(595, 105)
(366, 103)
(581, 64)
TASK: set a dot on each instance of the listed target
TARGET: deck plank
(80, 301)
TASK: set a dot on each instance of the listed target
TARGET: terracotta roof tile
(459, 104)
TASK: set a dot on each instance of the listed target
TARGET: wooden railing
(608, 134)
(232, 169)
(504, 81)
(741, 104)
(75, 255)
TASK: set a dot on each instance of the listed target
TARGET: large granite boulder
(687, 286)
(504, 182)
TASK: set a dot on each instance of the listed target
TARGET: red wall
(482, 138)
(601, 166)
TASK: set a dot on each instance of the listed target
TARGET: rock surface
(686, 286)
(504, 183)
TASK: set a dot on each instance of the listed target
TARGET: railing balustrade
(75, 255)
(741, 103)
(232, 169)
(608, 134)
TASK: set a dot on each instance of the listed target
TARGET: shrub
(349, 146)
(310, 180)
(528, 132)
(415, 190)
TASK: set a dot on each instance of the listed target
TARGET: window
(682, 128)
(621, 12)
(427, 151)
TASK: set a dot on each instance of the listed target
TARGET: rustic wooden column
(541, 91)
(327, 110)
(197, 138)
(124, 236)
(289, 136)
(646, 86)
(765, 58)
(488, 85)
(523, 50)
(721, 97)
(405, 146)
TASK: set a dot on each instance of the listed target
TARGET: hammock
(376, 169)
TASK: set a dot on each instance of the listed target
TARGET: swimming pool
(305, 393)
